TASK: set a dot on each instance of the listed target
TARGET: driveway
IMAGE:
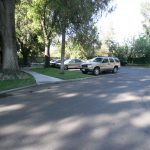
(109, 112)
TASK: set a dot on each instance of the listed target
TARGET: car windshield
(67, 61)
(57, 61)
(97, 59)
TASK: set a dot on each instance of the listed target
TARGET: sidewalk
(42, 79)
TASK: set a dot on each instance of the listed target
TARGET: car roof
(101, 57)
(105, 57)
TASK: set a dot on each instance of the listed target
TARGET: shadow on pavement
(106, 113)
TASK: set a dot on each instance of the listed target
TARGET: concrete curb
(46, 83)
(16, 89)
(51, 83)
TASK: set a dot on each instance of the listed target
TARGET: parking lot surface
(108, 112)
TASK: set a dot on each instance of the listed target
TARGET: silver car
(99, 64)
(72, 64)
(55, 63)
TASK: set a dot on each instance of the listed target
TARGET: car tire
(96, 71)
(115, 70)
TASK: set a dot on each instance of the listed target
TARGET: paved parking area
(109, 112)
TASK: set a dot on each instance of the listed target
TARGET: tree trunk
(47, 54)
(47, 44)
(63, 49)
(10, 62)
(25, 54)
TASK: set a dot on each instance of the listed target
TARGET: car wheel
(66, 67)
(84, 72)
(96, 71)
(115, 70)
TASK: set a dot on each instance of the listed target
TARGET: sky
(125, 21)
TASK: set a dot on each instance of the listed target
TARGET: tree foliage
(141, 49)
(26, 38)
(74, 50)
(88, 38)
(73, 15)
(141, 45)
(43, 23)
(38, 21)
(145, 11)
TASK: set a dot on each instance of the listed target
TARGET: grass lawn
(54, 72)
(28, 79)
(11, 84)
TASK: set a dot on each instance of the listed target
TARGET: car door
(112, 63)
(71, 63)
(77, 63)
(105, 64)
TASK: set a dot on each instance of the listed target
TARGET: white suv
(100, 64)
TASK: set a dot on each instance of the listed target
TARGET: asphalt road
(109, 112)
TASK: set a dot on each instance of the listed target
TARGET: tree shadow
(108, 112)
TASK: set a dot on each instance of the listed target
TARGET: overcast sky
(126, 20)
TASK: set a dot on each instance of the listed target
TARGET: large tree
(27, 39)
(145, 10)
(87, 37)
(8, 36)
(141, 45)
(24, 34)
(141, 48)
(43, 24)
(74, 14)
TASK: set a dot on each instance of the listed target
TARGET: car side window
(111, 60)
(98, 59)
(73, 61)
(77, 60)
(117, 60)
(105, 60)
